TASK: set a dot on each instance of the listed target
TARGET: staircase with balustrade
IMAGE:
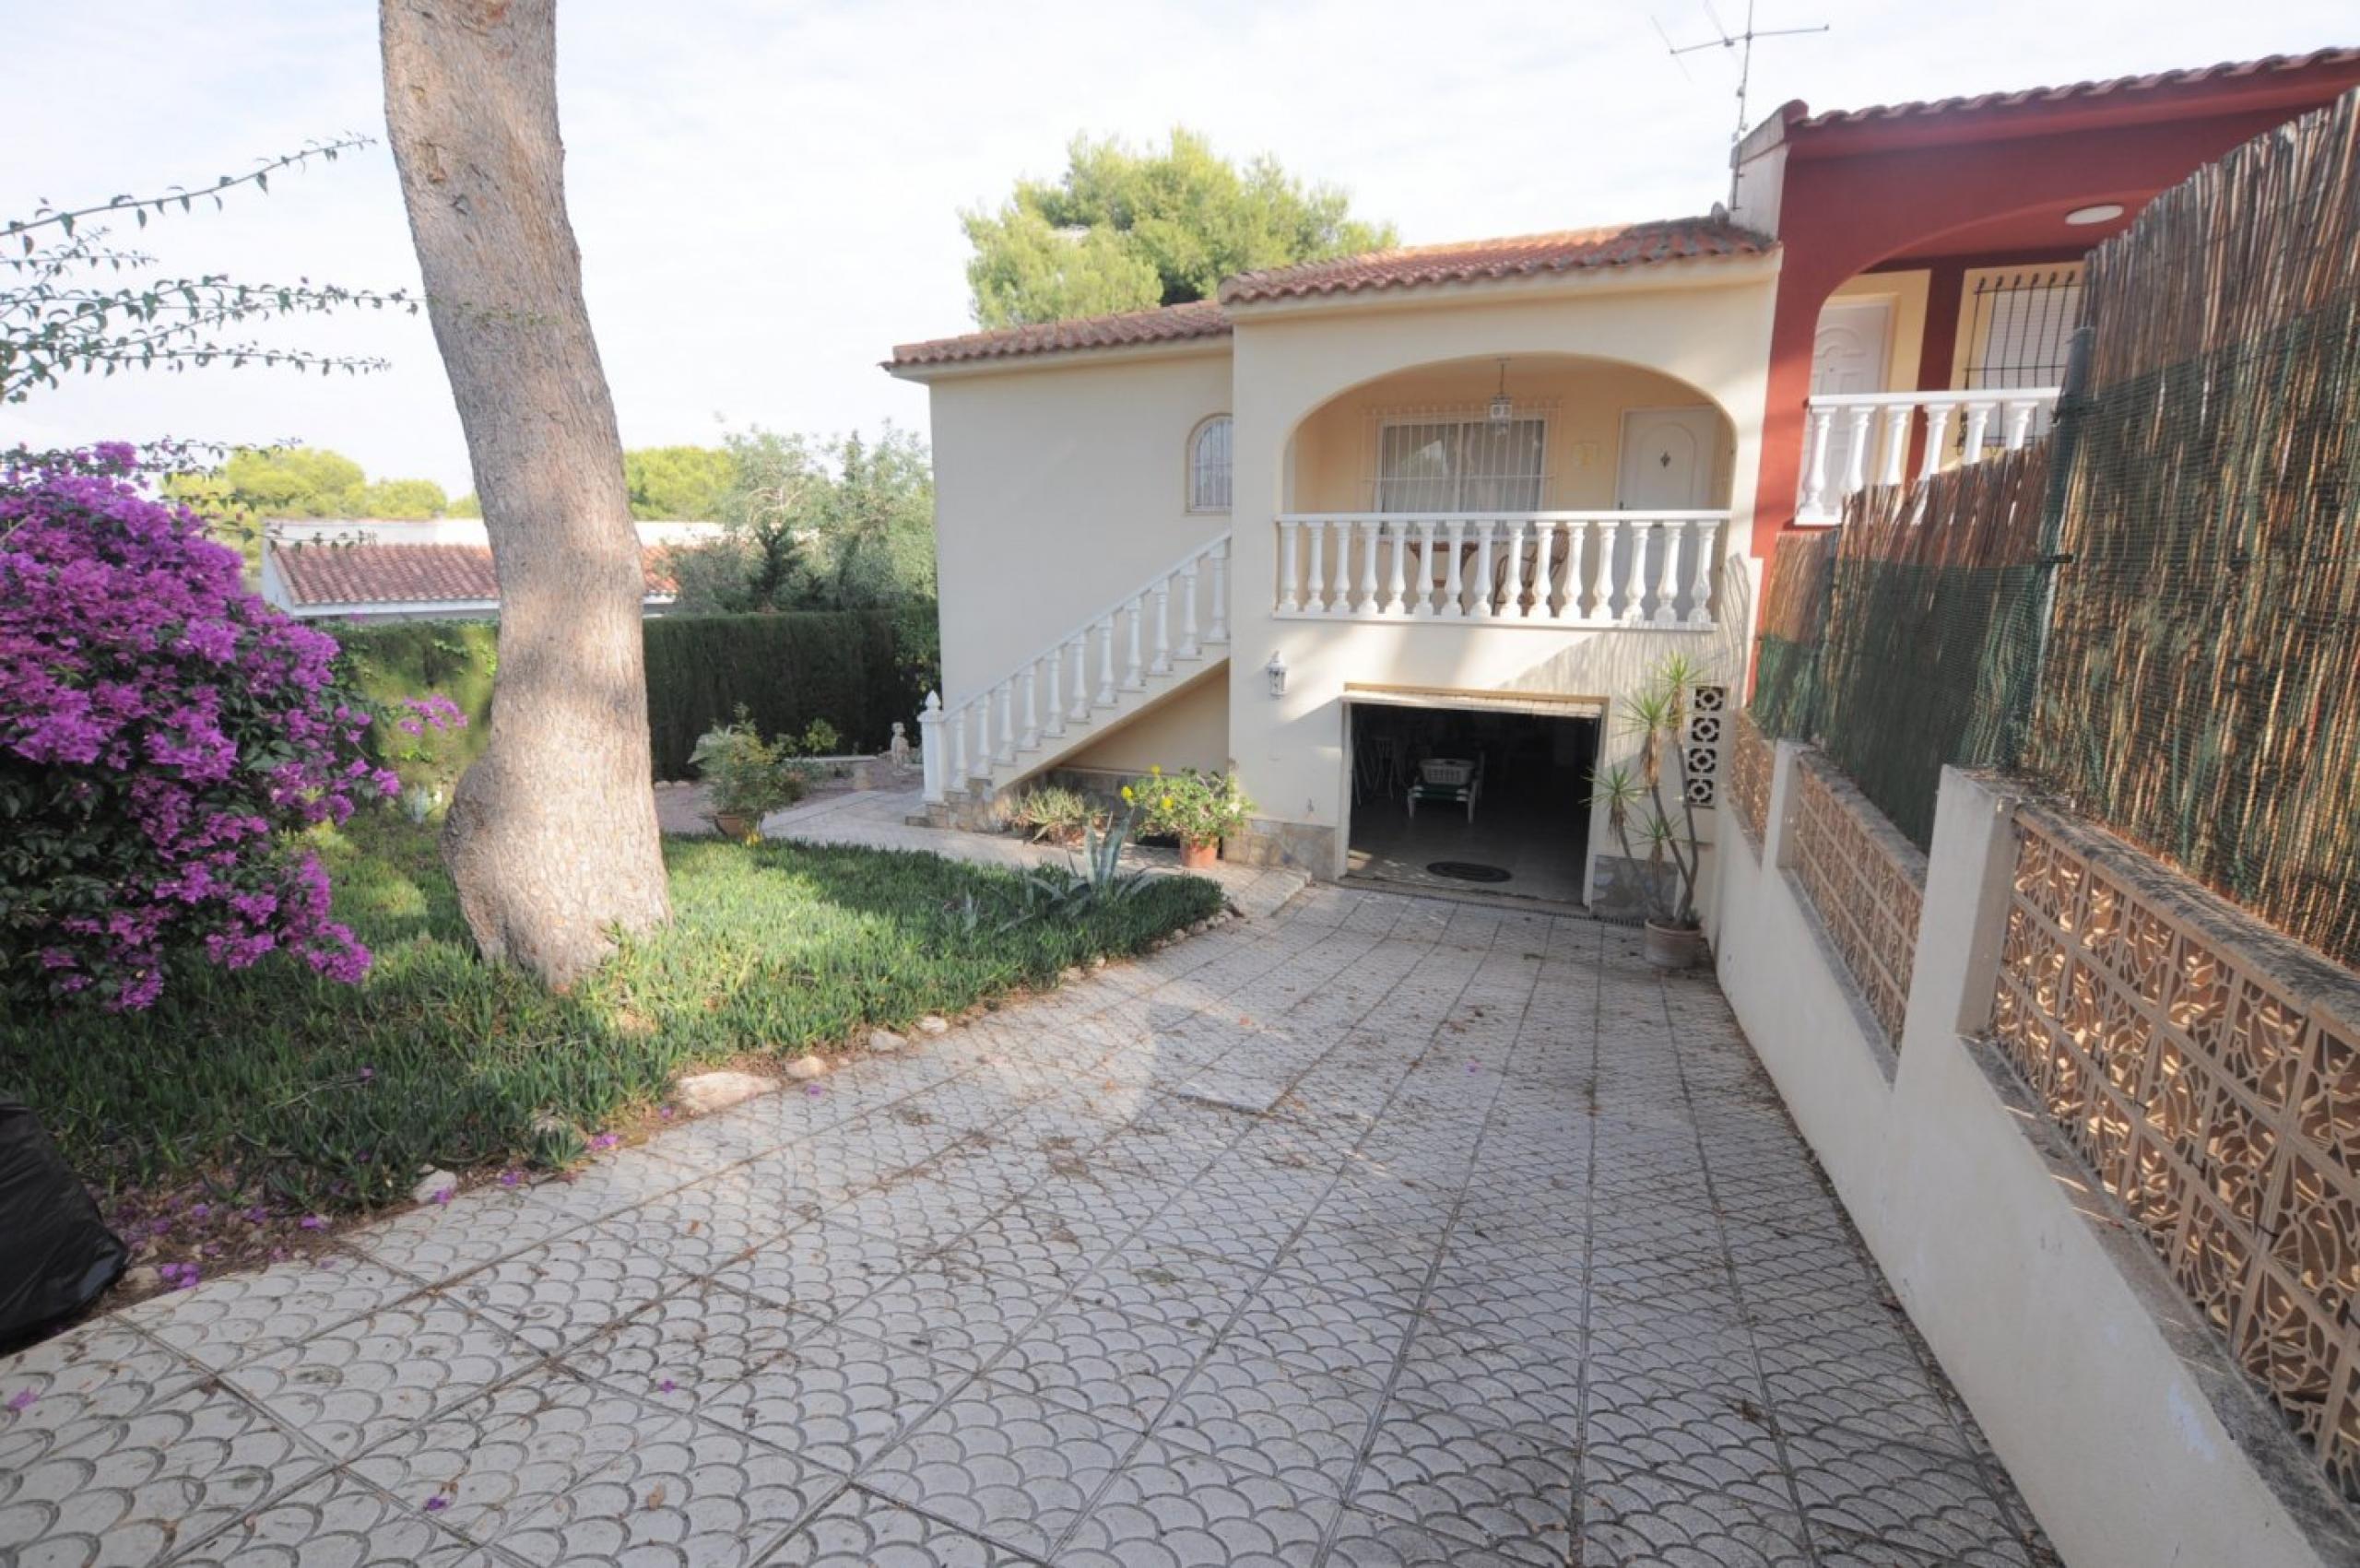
(1110, 667)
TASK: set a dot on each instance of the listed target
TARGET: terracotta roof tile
(1169, 323)
(2273, 65)
(1485, 261)
(328, 574)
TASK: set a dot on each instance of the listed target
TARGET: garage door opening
(1471, 798)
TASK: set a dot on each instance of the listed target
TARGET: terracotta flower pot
(1197, 855)
(1673, 947)
(736, 824)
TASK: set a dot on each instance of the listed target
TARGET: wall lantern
(1276, 670)
(1502, 406)
(2103, 212)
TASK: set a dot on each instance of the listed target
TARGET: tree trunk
(551, 836)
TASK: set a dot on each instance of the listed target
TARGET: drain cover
(1466, 872)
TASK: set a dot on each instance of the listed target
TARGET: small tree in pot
(1633, 793)
(1199, 810)
(746, 777)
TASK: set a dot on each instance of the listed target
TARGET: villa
(1453, 501)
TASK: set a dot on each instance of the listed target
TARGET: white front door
(1668, 466)
(1849, 354)
(1667, 459)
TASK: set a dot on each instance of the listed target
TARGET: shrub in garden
(1051, 814)
(746, 777)
(163, 734)
(1193, 807)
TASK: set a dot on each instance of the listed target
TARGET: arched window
(1209, 465)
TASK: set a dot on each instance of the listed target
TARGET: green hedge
(849, 668)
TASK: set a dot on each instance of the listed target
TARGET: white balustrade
(1649, 570)
(1004, 724)
(1850, 438)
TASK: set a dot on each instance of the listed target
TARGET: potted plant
(746, 777)
(1198, 809)
(1633, 793)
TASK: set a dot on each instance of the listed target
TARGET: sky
(767, 196)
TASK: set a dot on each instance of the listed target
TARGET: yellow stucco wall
(1188, 729)
(1057, 489)
(1334, 455)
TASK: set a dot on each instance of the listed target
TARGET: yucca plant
(1633, 791)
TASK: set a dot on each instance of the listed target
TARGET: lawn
(274, 1088)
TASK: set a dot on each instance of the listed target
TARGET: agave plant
(1633, 791)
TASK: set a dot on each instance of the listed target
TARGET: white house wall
(1057, 489)
(1705, 327)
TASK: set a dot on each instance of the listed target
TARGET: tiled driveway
(1382, 1230)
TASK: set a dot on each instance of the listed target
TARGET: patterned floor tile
(1169, 1285)
(860, 1529)
(1014, 1470)
(336, 1521)
(836, 1398)
(62, 1390)
(1304, 1329)
(690, 1492)
(237, 1317)
(1530, 1387)
(821, 1270)
(557, 1294)
(1637, 1520)
(352, 1386)
(951, 1312)
(1937, 1503)
(1172, 1507)
(706, 1227)
(137, 1488)
(1095, 1360)
(1363, 1540)
(1306, 1428)
(1514, 1259)
(1495, 1490)
(493, 1463)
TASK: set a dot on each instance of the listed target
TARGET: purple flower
(199, 1210)
(444, 1196)
(22, 1399)
(814, 1090)
(665, 1386)
(509, 1178)
(368, 1073)
(605, 1140)
(312, 1222)
(181, 730)
(436, 1503)
(257, 1215)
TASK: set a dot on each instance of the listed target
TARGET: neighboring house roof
(1411, 267)
(1171, 324)
(1491, 261)
(411, 574)
(2116, 87)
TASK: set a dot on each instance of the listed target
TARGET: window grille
(2019, 326)
(1209, 465)
(1461, 465)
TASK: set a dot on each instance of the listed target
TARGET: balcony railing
(1568, 570)
(1854, 440)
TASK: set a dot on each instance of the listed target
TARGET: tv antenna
(1743, 42)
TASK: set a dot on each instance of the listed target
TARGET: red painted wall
(1841, 215)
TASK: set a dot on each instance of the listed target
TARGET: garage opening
(1478, 794)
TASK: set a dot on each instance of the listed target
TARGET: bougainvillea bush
(165, 736)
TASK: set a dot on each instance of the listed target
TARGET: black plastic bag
(56, 1255)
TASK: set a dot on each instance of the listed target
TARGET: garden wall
(851, 669)
(2115, 1403)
